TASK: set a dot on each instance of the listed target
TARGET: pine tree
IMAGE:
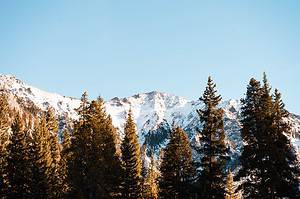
(4, 138)
(283, 174)
(82, 180)
(230, 187)
(268, 156)
(66, 157)
(18, 163)
(265, 138)
(105, 136)
(177, 169)
(250, 128)
(41, 160)
(213, 148)
(55, 178)
(131, 160)
(150, 187)
(256, 121)
(94, 166)
(112, 170)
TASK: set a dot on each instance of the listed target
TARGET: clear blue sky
(119, 48)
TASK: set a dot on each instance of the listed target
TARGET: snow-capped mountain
(29, 94)
(154, 112)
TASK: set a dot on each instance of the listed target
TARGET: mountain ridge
(154, 112)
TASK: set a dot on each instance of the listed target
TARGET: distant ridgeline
(150, 145)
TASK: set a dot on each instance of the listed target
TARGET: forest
(88, 159)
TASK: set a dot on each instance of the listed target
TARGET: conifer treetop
(210, 97)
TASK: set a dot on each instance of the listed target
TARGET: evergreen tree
(41, 160)
(55, 148)
(250, 128)
(177, 170)
(4, 138)
(268, 156)
(94, 166)
(150, 187)
(230, 188)
(213, 148)
(131, 160)
(82, 180)
(283, 165)
(66, 157)
(18, 163)
(265, 139)
(105, 135)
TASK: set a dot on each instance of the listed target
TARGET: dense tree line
(88, 160)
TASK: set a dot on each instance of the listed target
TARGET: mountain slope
(27, 94)
(154, 112)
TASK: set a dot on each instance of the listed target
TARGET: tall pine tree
(230, 188)
(55, 178)
(250, 128)
(4, 138)
(150, 187)
(268, 156)
(41, 160)
(213, 148)
(94, 165)
(18, 163)
(131, 161)
(284, 179)
(105, 135)
(84, 159)
(66, 157)
(177, 169)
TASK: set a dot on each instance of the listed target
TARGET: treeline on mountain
(89, 159)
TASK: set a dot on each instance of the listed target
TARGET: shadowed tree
(131, 161)
(150, 187)
(4, 138)
(177, 169)
(268, 156)
(105, 138)
(213, 148)
(55, 178)
(230, 188)
(18, 163)
(94, 165)
(41, 160)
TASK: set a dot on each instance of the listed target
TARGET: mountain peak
(42, 99)
(8, 76)
(153, 111)
(9, 81)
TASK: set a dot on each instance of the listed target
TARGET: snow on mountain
(62, 105)
(154, 112)
(149, 110)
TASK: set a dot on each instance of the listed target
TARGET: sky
(120, 48)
